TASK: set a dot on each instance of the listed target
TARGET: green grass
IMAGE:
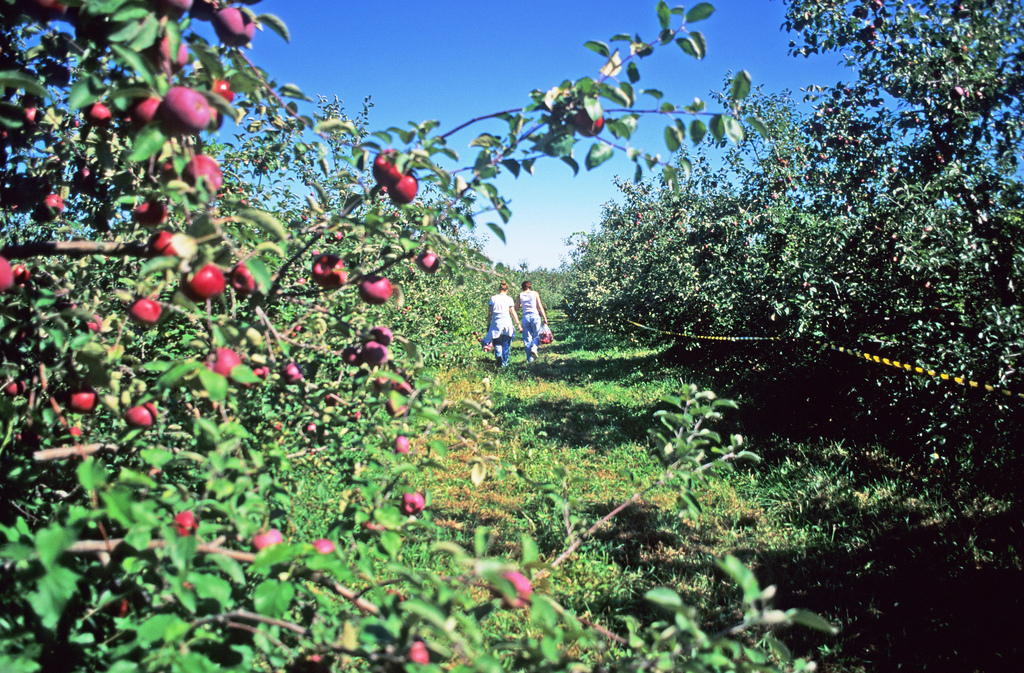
(919, 569)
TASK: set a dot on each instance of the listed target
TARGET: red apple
(413, 503)
(402, 444)
(6, 275)
(523, 589)
(375, 354)
(224, 360)
(83, 400)
(267, 539)
(21, 274)
(242, 280)
(141, 416)
(585, 125)
(151, 213)
(375, 290)
(144, 110)
(324, 546)
(351, 355)
(185, 523)
(162, 243)
(418, 653)
(428, 262)
(234, 27)
(50, 208)
(96, 324)
(145, 312)
(329, 271)
(404, 191)
(98, 114)
(204, 284)
(202, 167)
(384, 170)
(15, 388)
(161, 56)
(382, 335)
(223, 89)
(292, 373)
(185, 111)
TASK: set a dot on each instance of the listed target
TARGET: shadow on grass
(601, 427)
(912, 598)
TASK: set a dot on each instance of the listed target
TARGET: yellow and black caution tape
(711, 338)
(858, 354)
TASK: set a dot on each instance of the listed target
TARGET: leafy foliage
(156, 455)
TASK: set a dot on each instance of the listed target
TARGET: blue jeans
(531, 334)
(502, 346)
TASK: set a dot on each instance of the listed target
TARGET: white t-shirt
(501, 319)
(528, 301)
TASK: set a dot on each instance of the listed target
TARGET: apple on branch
(145, 312)
(375, 290)
(206, 283)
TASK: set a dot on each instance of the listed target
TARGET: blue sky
(461, 59)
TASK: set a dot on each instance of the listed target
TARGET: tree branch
(75, 249)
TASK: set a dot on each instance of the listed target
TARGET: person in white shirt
(501, 324)
(534, 317)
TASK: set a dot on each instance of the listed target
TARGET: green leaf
(734, 130)
(600, 47)
(664, 14)
(673, 138)
(52, 594)
(13, 79)
(700, 12)
(530, 550)
(598, 154)
(498, 231)
(273, 597)
(633, 72)
(742, 576)
(173, 376)
(481, 540)
(810, 620)
(740, 85)
(51, 543)
(91, 474)
(132, 60)
(214, 384)
(718, 127)
(275, 24)
(158, 628)
(665, 598)
(697, 131)
(292, 91)
(210, 587)
(571, 163)
(147, 143)
(758, 126)
(85, 91)
(265, 221)
(390, 542)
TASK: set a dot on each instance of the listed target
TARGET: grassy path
(915, 574)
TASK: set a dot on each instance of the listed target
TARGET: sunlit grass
(862, 537)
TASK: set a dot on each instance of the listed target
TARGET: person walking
(501, 324)
(534, 317)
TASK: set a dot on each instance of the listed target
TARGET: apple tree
(187, 341)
